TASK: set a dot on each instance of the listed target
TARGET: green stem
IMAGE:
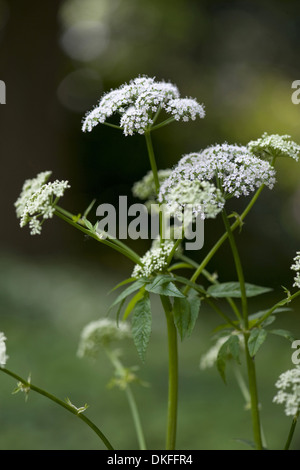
(249, 359)
(63, 404)
(155, 177)
(131, 401)
(111, 125)
(238, 266)
(176, 245)
(242, 385)
(277, 305)
(220, 242)
(173, 375)
(114, 243)
(222, 314)
(292, 430)
(163, 123)
(254, 396)
(152, 160)
(211, 279)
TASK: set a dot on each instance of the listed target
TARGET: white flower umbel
(233, 168)
(274, 145)
(99, 334)
(296, 267)
(155, 260)
(37, 201)
(185, 109)
(288, 393)
(138, 103)
(29, 188)
(145, 188)
(188, 199)
(3, 356)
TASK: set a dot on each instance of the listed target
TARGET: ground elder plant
(199, 185)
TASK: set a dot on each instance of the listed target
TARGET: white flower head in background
(99, 334)
(37, 201)
(3, 356)
(155, 259)
(233, 168)
(296, 267)
(274, 145)
(145, 188)
(288, 393)
(138, 104)
(209, 359)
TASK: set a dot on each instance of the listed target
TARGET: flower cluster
(274, 145)
(101, 333)
(185, 109)
(30, 187)
(145, 188)
(37, 201)
(187, 199)
(288, 393)
(3, 356)
(139, 102)
(155, 260)
(296, 267)
(235, 170)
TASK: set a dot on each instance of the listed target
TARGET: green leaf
(141, 325)
(123, 283)
(186, 312)
(130, 289)
(232, 289)
(285, 333)
(221, 360)
(230, 347)
(193, 285)
(261, 313)
(132, 303)
(161, 285)
(255, 340)
(247, 443)
(234, 347)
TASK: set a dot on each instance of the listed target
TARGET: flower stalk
(173, 375)
(71, 408)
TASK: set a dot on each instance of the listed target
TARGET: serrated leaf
(163, 286)
(284, 333)
(255, 340)
(232, 289)
(186, 312)
(141, 325)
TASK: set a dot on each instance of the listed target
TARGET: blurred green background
(239, 58)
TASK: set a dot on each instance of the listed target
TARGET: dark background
(239, 58)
